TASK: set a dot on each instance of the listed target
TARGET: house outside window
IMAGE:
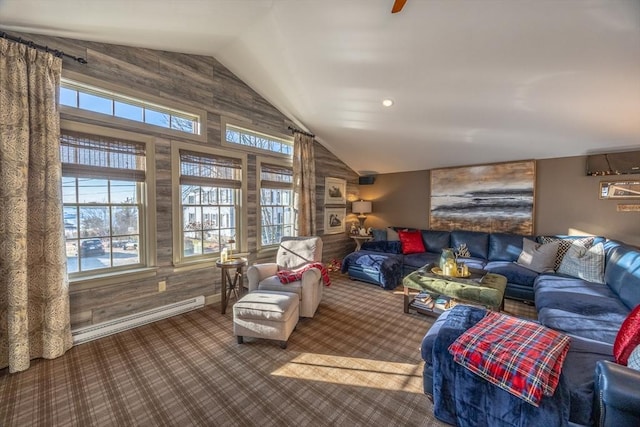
(210, 194)
(104, 191)
(277, 213)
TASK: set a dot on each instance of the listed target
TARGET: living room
(567, 201)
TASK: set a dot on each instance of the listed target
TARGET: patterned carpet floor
(356, 363)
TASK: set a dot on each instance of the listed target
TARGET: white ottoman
(266, 314)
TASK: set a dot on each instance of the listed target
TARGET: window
(104, 193)
(277, 215)
(210, 192)
(89, 98)
(257, 141)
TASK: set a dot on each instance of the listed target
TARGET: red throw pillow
(411, 242)
(628, 337)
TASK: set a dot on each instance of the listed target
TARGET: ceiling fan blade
(398, 5)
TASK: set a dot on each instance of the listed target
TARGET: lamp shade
(361, 207)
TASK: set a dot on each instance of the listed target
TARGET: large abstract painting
(491, 198)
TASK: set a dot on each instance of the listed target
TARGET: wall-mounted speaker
(366, 180)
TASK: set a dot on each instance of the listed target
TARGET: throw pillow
(628, 337)
(392, 235)
(411, 242)
(379, 235)
(462, 251)
(537, 256)
(565, 244)
(586, 264)
(634, 359)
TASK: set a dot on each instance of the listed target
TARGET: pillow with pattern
(634, 359)
(584, 263)
(565, 244)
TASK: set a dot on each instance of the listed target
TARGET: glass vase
(447, 254)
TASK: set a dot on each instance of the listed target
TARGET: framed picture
(335, 191)
(620, 189)
(493, 198)
(334, 220)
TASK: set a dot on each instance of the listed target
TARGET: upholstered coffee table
(482, 288)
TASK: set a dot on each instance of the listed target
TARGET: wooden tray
(438, 271)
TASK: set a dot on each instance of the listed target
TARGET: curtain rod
(33, 45)
(294, 130)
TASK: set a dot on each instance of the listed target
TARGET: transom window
(256, 140)
(210, 188)
(110, 103)
(103, 191)
(277, 214)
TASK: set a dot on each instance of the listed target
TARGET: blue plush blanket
(464, 399)
(388, 266)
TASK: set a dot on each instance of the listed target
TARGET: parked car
(129, 244)
(91, 247)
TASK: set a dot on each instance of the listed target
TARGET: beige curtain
(304, 183)
(34, 297)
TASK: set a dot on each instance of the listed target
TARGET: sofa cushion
(411, 242)
(419, 260)
(513, 272)
(473, 262)
(392, 234)
(435, 241)
(477, 242)
(584, 263)
(577, 307)
(539, 257)
(628, 337)
(505, 247)
(622, 274)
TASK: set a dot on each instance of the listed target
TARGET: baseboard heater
(99, 330)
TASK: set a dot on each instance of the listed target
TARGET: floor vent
(111, 327)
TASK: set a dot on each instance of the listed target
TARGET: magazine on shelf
(443, 303)
(428, 305)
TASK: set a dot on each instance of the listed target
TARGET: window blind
(92, 156)
(210, 169)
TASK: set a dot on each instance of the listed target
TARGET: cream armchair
(293, 253)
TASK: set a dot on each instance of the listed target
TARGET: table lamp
(361, 207)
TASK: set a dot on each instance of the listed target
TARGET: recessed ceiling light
(387, 102)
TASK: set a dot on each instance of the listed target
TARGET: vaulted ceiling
(472, 81)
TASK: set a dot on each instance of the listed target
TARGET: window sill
(202, 263)
(105, 279)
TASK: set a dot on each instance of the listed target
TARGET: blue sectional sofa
(593, 389)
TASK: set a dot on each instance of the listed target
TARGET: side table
(360, 240)
(235, 285)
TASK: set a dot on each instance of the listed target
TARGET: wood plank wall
(204, 83)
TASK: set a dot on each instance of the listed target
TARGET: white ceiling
(474, 81)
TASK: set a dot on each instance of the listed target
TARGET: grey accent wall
(400, 199)
(204, 83)
(567, 201)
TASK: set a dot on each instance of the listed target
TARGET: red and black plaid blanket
(288, 276)
(517, 355)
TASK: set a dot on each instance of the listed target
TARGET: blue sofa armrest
(617, 395)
